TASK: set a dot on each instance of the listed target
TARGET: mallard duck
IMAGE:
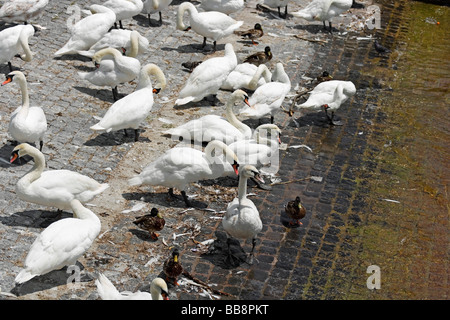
(252, 34)
(172, 267)
(295, 210)
(260, 57)
(191, 65)
(324, 77)
(151, 222)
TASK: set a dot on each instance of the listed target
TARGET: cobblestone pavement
(323, 259)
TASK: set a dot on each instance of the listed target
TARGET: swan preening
(12, 41)
(21, 10)
(247, 76)
(27, 124)
(53, 188)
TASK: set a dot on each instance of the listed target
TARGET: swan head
(10, 77)
(249, 171)
(240, 95)
(269, 127)
(159, 288)
(19, 151)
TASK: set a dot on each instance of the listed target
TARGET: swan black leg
(186, 199)
(136, 135)
(115, 93)
(10, 66)
(41, 144)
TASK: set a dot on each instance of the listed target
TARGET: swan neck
(231, 117)
(230, 155)
(145, 80)
(242, 189)
(24, 90)
(28, 55)
(37, 169)
(134, 40)
(192, 11)
(261, 71)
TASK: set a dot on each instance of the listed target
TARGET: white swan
(211, 24)
(247, 76)
(53, 188)
(329, 96)
(124, 9)
(86, 32)
(107, 290)
(113, 68)
(179, 166)
(242, 219)
(131, 110)
(278, 4)
(22, 10)
(224, 6)
(153, 6)
(12, 40)
(61, 243)
(207, 77)
(214, 127)
(27, 124)
(131, 40)
(267, 99)
(323, 10)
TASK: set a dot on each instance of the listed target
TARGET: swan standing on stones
(329, 96)
(27, 124)
(247, 76)
(13, 39)
(153, 6)
(278, 4)
(61, 243)
(224, 6)
(268, 98)
(242, 218)
(131, 110)
(124, 9)
(207, 78)
(22, 10)
(323, 10)
(107, 291)
(53, 188)
(211, 24)
(113, 68)
(179, 166)
(89, 30)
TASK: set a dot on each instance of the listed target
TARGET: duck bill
(175, 258)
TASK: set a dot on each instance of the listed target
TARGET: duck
(131, 110)
(325, 76)
(113, 68)
(22, 10)
(224, 6)
(53, 188)
(153, 6)
(152, 222)
(323, 10)
(260, 57)
(252, 34)
(124, 9)
(27, 124)
(295, 210)
(13, 40)
(247, 76)
(210, 24)
(207, 78)
(214, 127)
(172, 267)
(278, 4)
(131, 40)
(242, 220)
(61, 244)
(191, 65)
(268, 98)
(329, 96)
(86, 32)
(107, 291)
(179, 166)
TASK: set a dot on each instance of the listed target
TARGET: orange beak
(8, 80)
(235, 167)
(14, 156)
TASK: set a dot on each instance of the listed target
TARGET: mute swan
(152, 222)
(113, 68)
(153, 6)
(329, 95)
(133, 43)
(53, 188)
(242, 219)
(131, 110)
(278, 4)
(323, 10)
(296, 211)
(13, 39)
(214, 127)
(89, 30)
(252, 34)
(179, 166)
(61, 243)
(267, 99)
(124, 9)
(172, 267)
(247, 76)
(22, 10)
(260, 57)
(107, 291)
(208, 77)
(27, 124)
(211, 24)
(224, 6)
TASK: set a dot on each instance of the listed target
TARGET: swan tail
(182, 101)
(86, 53)
(303, 14)
(102, 188)
(24, 276)
(97, 127)
(136, 181)
(106, 290)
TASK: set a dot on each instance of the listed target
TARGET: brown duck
(252, 34)
(191, 65)
(172, 267)
(260, 57)
(324, 77)
(152, 223)
(296, 211)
